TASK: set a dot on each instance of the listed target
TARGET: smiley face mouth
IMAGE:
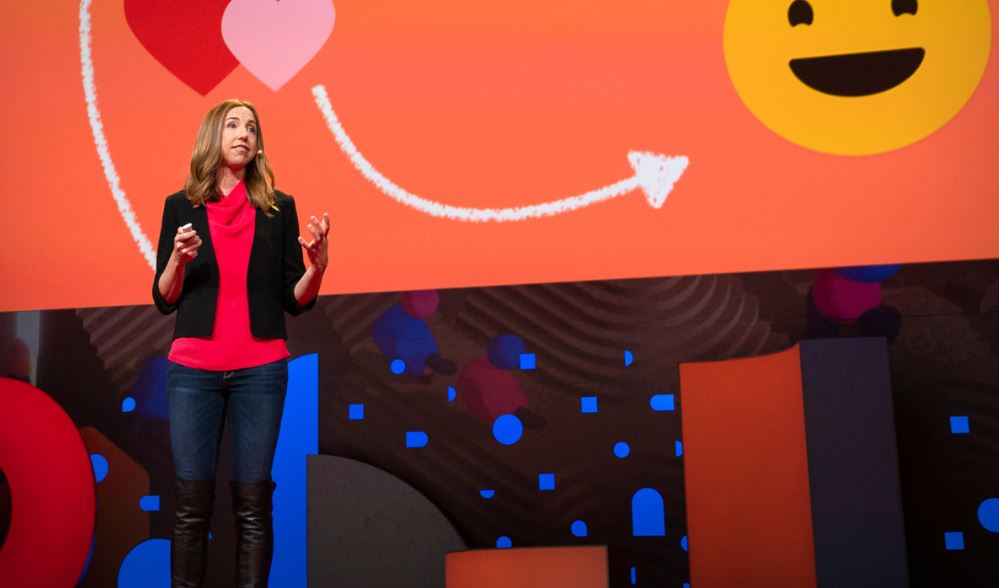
(858, 74)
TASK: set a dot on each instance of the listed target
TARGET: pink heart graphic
(275, 39)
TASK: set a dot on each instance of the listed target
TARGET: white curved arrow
(654, 174)
(101, 142)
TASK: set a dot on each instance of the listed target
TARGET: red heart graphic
(186, 37)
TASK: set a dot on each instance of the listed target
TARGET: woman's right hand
(185, 245)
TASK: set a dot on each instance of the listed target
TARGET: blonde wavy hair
(202, 185)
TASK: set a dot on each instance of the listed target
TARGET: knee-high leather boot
(193, 501)
(251, 503)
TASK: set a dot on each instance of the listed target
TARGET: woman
(229, 262)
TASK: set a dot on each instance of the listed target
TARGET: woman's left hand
(317, 249)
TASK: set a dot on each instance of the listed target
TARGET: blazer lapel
(199, 221)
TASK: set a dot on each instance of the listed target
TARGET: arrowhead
(656, 174)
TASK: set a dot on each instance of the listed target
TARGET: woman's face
(239, 138)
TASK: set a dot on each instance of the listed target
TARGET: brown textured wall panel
(121, 524)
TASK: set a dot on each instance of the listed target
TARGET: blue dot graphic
(355, 412)
(588, 405)
(397, 366)
(546, 482)
(988, 514)
(150, 503)
(634, 576)
(508, 429)
(683, 543)
(579, 528)
(622, 449)
(127, 404)
(147, 565)
(662, 402)
(487, 494)
(90, 557)
(528, 361)
(451, 393)
(504, 351)
(678, 448)
(959, 425)
(150, 388)
(629, 357)
(504, 543)
(100, 464)
(869, 273)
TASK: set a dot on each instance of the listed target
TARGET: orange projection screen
(458, 143)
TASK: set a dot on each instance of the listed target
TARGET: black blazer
(275, 267)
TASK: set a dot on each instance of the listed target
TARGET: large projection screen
(468, 143)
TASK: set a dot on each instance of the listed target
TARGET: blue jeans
(198, 403)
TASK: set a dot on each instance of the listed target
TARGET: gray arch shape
(368, 528)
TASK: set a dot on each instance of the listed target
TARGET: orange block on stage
(746, 473)
(528, 567)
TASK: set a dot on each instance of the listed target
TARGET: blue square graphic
(528, 361)
(546, 481)
(959, 425)
(588, 404)
(355, 412)
(954, 541)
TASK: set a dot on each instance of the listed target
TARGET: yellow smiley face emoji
(856, 77)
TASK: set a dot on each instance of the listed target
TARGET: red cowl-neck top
(231, 222)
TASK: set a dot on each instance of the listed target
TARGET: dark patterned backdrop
(941, 322)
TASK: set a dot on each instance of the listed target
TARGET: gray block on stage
(853, 464)
(369, 528)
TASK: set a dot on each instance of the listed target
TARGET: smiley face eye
(800, 12)
(900, 7)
